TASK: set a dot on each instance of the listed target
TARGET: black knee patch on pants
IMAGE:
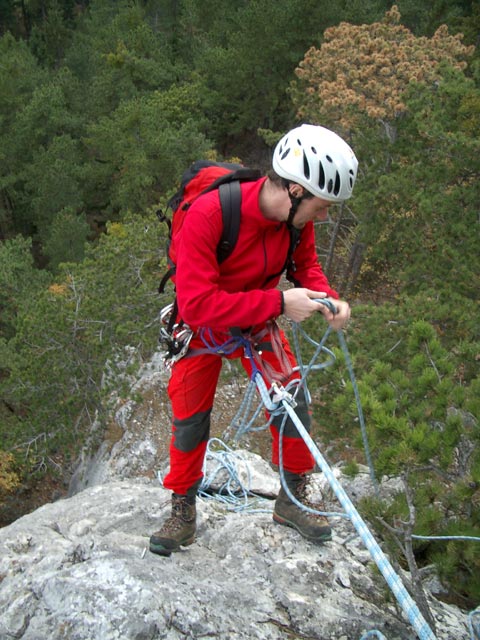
(190, 432)
(303, 414)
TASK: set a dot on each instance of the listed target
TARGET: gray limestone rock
(79, 568)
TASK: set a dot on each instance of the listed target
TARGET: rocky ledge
(79, 568)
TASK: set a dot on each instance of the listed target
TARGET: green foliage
(46, 115)
(54, 366)
(45, 169)
(19, 76)
(241, 92)
(419, 390)
(67, 237)
(107, 133)
(426, 204)
(117, 55)
(19, 280)
(142, 148)
(54, 183)
(424, 18)
(351, 468)
(9, 479)
(7, 17)
(117, 65)
(50, 36)
(458, 563)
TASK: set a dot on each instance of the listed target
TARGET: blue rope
(473, 538)
(403, 597)
(291, 497)
(221, 348)
(341, 337)
(240, 421)
(474, 624)
(348, 361)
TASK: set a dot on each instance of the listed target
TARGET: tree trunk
(7, 227)
(26, 19)
(354, 265)
(333, 241)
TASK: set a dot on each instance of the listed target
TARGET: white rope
(224, 482)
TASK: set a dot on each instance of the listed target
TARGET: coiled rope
(225, 480)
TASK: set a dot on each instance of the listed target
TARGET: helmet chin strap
(294, 203)
(293, 209)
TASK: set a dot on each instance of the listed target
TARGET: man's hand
(299, 304)
(338, 320)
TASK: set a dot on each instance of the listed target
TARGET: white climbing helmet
(319, 160)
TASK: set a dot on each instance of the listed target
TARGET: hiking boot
(178, 530)
(311, 526)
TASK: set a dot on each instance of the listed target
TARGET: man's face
(311, 209)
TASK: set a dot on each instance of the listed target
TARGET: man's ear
(296, 190)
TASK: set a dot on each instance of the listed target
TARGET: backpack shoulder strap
(230, 195)
(230, 200)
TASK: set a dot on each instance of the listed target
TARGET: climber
(312, 169)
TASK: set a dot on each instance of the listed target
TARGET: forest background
(102, 106)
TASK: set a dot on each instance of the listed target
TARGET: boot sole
(324, 537)
(162, 550)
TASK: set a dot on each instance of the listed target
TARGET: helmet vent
(314, 150)
(299, 142)
(285, 153)
(321, 176)
(336, 188)
(329, 158)
(306, 167)
(330, 186)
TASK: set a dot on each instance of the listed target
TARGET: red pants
(192, 389)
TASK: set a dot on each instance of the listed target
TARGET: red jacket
(238, 292)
